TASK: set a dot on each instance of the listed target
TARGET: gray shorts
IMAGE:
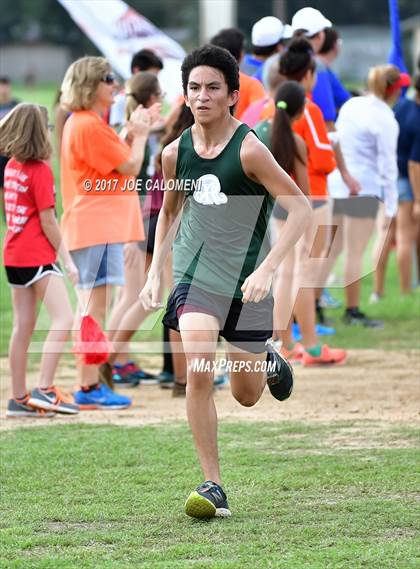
(100, 265)
(365, 207)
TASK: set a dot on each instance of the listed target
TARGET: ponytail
(289, 102)
(381, 78)
(283, 144)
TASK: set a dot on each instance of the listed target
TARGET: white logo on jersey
(209, 192)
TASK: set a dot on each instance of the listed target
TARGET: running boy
(223, 266)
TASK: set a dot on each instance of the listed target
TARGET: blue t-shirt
(340, 94)
(328, 93)
(252, 67)
(407, 113)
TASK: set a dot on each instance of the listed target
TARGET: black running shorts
(247, 326)
(24, 277)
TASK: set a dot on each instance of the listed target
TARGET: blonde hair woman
(31, 245)
(368, 134)
(99, 216)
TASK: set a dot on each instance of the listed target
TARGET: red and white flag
(119, 32)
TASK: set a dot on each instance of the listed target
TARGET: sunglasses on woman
(108, 79)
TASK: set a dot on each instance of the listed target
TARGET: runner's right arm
(166, 229)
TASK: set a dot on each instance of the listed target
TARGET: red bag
(92, 344)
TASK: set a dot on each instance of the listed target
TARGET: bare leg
(52, 291)
(178, 357)
(283, 303)
(135, 277)
(24, 318)
(334, 248)
(309, 250)
(281, 289)
(128, 327)
(283, 307)
(407, 229)
(384, 241)
(98, 301)
(247, 387)
(358, 232)
(201, 328)
(306, 316)
(324, 235)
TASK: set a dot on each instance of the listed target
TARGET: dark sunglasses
(108, 79)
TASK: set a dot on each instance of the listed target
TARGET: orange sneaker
(295, 354)
(328, 356)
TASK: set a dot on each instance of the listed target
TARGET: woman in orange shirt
(101, 209)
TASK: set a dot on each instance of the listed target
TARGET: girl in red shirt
(32, 242)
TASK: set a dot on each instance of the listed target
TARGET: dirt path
(373, 385)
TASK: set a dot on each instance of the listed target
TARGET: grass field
(304, 495)
(112, 497)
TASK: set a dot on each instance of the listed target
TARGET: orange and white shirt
(321, 158)
(97, 208)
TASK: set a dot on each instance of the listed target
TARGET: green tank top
(223, 235)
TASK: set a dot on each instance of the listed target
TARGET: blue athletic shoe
(319, 329)
(324, 330)
(328, 301)
(101, 398)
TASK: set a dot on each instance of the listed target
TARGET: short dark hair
(231, 39)
(265, 50)
(331, 38)
(144, 60)
(4, 80)
(297, 60)
(212, 56)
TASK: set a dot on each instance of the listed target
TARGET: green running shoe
(207, 501)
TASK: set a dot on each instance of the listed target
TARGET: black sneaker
(207, 501)
(279, 381)
(356, 318)
(166, 379)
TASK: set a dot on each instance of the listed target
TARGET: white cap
(310, 20)
(267, 31)
(287, 32)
